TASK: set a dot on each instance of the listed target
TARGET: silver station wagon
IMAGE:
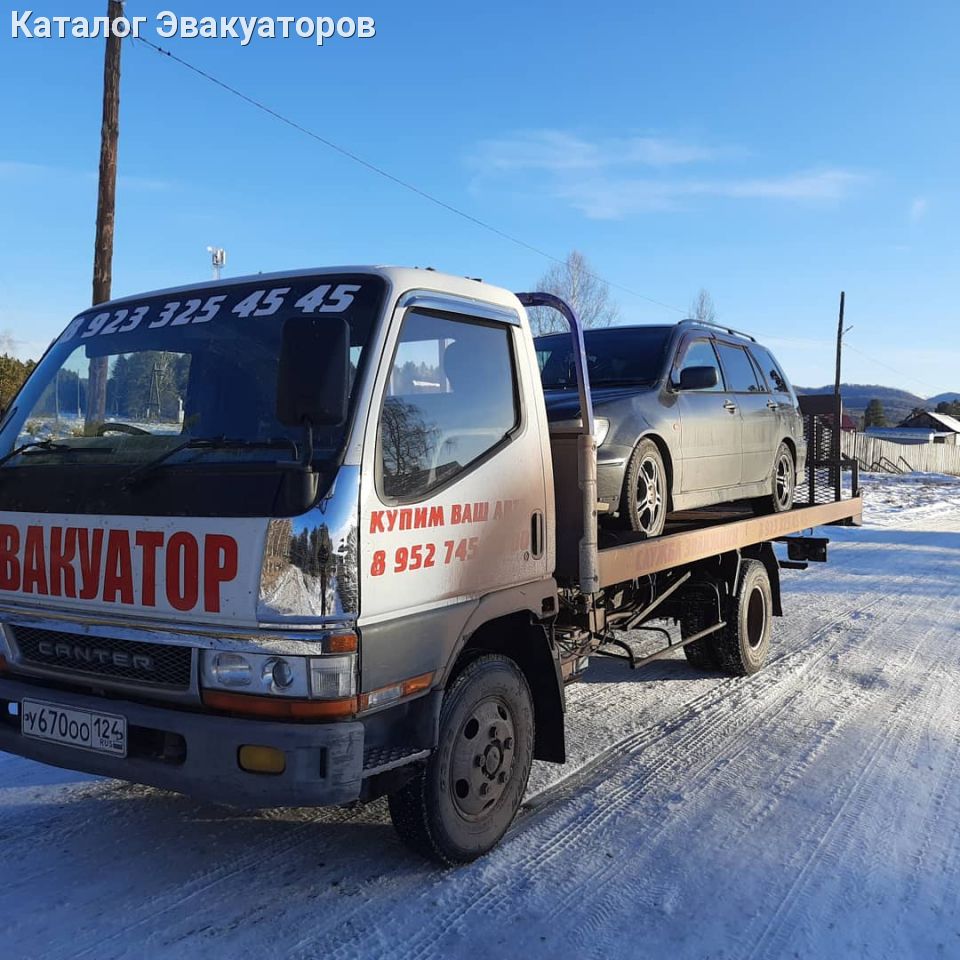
(688, 415)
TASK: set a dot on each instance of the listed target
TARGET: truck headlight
(317, 678)
(228, 670)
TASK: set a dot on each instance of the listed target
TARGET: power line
(899, 373)
(405, 184)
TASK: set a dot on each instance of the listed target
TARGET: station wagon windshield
(615, 356)
(182, 376)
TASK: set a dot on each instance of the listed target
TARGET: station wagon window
(740, 374)
(773, 373)
(700, 353)
(450, 399)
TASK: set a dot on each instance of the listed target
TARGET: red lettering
(376, 522)
(34, 563)
(91, 557)
(118, 569)
(436, 516)
(9, 557)
(220, 560)
(420, 517)
(183, 571)
(455, 514)
(63, 578)
(149, 542)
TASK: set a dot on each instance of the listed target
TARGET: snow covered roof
(951, 423)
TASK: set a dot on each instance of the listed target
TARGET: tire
(701, 654)
(744, 643)
(643, 501)
(783, 484)
(457, 809)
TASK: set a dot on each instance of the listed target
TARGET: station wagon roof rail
(718, 326)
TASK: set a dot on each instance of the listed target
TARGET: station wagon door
(710, 444)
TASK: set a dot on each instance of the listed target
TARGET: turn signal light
(341, 643)
(279, 707)
(262, 759)
(4, 666)
(396, 691)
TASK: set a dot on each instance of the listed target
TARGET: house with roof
(944, 428)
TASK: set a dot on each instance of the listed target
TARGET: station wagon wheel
(643, 506)
(783, 482)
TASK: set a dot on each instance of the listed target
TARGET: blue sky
(774, 154)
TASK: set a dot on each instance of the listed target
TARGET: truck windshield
(615, 356)
(128, 383)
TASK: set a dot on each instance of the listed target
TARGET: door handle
(730, 405)
(536, 534)
(773, 405)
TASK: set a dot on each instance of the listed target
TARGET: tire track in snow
(775, 936)
(681, 736)
(615, 876)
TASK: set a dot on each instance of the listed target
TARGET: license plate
(103, 732)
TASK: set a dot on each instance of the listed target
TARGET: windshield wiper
(33, 445)
(134, 477)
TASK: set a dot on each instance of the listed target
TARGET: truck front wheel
(460, 805)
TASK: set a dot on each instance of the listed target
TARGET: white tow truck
(307, 538)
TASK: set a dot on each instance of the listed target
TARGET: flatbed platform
(715, 533)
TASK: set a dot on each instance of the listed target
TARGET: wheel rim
(784, 480)
(756, 618)
(482, 759)
(650, 498)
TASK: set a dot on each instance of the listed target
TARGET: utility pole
(836, 449)
(840, 331)
(106, 206)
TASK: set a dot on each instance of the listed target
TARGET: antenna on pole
(218, 260)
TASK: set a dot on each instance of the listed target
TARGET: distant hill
(897, 404)
(943, 398)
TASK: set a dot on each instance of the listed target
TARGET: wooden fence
(887, 457)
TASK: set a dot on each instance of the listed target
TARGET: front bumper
(324, 760)
(612, 460)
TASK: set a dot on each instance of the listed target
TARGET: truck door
(453, 495)
(710, 442)
(758, 413)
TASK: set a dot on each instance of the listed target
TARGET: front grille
(152, 664)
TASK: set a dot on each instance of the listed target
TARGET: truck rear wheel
(467, 795)
(744, 643)
(696, 615)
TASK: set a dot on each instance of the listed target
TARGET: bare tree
(575, 281)
(702, 308)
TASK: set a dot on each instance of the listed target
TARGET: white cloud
(603, 198)
(611, 178)
(556, 150)
(918, 209)
(18, 172)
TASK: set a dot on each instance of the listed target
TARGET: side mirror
(698, 378)
(314, 371)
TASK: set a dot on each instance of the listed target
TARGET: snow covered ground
(810, 811)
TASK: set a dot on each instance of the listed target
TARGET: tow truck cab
(264, 586)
